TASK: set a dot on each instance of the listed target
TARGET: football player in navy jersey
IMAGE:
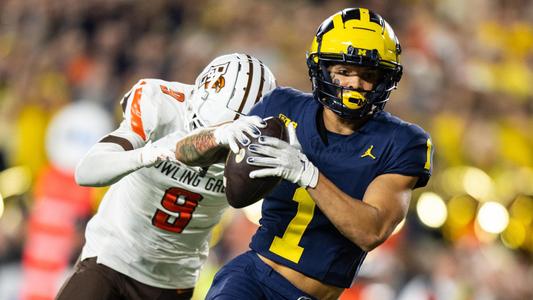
(349, 168)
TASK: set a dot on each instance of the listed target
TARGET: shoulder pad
(139, 108)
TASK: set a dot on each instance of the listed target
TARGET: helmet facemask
(350, 103)
(358, 37)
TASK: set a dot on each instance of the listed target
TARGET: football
(241, 190)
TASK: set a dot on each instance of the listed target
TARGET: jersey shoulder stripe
(136, 118)
(151, 103)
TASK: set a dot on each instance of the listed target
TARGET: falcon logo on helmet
(360, 37)
(215, 75)
(228, 87)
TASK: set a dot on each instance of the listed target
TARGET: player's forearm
(105, 164)
(359, 222)
(200, 149)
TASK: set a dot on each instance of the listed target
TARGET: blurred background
(468, 80)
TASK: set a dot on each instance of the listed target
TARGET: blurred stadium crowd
(468, 74)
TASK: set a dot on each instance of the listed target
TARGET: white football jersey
(154, 224)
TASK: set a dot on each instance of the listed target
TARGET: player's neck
(336, 124)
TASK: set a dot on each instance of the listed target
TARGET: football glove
(229, 133)
(151, 154)
(282, 159)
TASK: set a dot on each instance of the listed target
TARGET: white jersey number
(180, 202)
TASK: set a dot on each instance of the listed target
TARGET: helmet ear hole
(204, 95)
(398, 74)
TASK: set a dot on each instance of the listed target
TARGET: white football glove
(229, 133)
(284, 160)
(151, 154)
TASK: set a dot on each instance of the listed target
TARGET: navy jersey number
(288, 246)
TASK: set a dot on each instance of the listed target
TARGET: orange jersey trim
(172, 93)
(136, 119)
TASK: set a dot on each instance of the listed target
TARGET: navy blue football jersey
(294, 232)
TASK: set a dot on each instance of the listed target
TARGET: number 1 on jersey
(287, 246)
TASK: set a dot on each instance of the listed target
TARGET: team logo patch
(287, 121)
(214, 78)
(368, 152)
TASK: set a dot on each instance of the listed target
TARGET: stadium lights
(514, 236)
(15, 181)
(1, 206)
(519, 228)
(493, 217)
(522, 209)
(477, 184)
(461, 210)
(431, 210)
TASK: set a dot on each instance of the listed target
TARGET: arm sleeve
(414, 155)
(105, 164)
(118, 154)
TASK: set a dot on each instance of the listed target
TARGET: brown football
(241, 190)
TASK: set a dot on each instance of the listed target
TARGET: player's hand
(282, 159)
(229, 133)
(151, 154)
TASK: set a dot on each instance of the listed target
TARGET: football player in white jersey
(150, 235)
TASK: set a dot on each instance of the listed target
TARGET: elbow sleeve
(105, 164)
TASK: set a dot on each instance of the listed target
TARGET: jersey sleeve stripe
(136, 118)
(427, 165)
(250, 76)
(124, 143)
